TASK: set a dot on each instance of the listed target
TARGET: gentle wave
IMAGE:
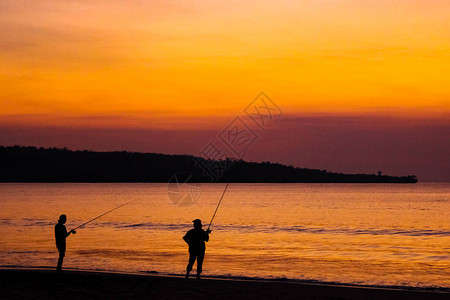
(243, 228)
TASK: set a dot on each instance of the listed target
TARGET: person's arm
(207, 232)
(186, 238)
(68, 233)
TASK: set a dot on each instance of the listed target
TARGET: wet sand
(47, 284)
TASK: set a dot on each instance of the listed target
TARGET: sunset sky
(364, 85)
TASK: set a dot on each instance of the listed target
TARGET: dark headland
(32, 164)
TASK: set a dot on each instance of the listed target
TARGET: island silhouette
(32, 164)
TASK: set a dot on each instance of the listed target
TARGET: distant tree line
(31, 164)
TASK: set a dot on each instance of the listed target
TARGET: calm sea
(374, 234)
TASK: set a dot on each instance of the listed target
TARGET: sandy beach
(48, 284)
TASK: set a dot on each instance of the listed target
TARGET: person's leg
(62, 253)
(192, 257)
(200, 258)
(60, 262)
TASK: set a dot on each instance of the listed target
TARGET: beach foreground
(47, 284)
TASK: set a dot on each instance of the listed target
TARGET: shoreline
(17, 282)
(234, 278)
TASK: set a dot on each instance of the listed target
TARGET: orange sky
(166, 61)
(364, 84)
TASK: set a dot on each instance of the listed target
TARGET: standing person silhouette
(60, 236)
(196, 239)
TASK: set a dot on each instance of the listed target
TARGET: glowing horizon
(210, 59)
(109, 75)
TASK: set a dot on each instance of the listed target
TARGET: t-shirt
(60, 234)
(196, 239)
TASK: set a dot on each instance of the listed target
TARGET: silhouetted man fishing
(196, 239)
(60, 236)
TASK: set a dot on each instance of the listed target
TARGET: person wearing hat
(196, 239)
(60, 236)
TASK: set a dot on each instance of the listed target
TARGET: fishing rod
(101, 215)
(223, 194)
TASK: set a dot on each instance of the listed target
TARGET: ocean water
(371, 234)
